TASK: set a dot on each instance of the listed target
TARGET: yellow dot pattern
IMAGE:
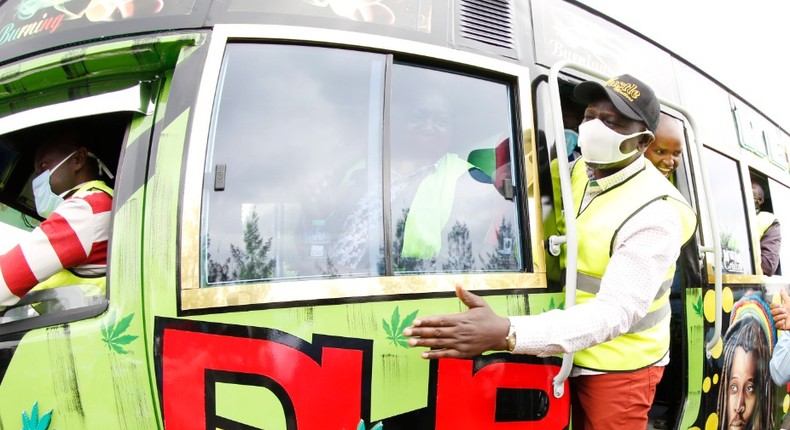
(713, 422)
(717, 349)
(709, 302)
(726, 299)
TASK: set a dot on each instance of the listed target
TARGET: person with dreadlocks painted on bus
(70, 246)
(746, 392)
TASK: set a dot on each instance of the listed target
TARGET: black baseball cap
(632, 98)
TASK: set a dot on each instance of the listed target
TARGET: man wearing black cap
(631, 223)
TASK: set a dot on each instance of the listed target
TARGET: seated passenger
(70, 245)
(448, 212)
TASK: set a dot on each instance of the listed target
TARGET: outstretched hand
(781, 312)
(463, 335)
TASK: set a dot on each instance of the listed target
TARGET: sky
(745, 45)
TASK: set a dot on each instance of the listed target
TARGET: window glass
(294, 132)
(731, 213)
(451, 176)
(309, 164)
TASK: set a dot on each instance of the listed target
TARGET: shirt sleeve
(770, 243)
(644, 249)
(780, 360)
(63, 240)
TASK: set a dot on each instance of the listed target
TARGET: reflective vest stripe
(591, 284)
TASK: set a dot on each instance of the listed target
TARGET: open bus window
(296, 185)
(767, 230)
(66, 262)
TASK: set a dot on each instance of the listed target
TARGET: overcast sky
(743, 44)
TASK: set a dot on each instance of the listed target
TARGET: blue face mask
(571, 140)
(46, 200)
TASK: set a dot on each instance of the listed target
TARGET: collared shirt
(644, 248)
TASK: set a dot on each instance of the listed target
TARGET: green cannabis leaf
(395, 328)
(33, 422)
(553, 305)
(112, 333)
(697, 306)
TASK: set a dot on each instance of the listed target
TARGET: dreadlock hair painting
(746, 391)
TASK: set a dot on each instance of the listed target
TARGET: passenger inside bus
(72, 196)
(438, 191)
(446, 192)
(667, 149)
(768, 231)
(572, 116)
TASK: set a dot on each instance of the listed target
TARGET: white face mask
(601, 145)
(46, 200)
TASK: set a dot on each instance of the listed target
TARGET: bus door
(74, 354)
(561, 241)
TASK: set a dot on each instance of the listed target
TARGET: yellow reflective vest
(764, 220)
(647, 342)
(91, 286)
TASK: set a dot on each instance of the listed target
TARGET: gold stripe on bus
(303, 290)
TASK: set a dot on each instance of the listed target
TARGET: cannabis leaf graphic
(697, 306)
(33, 422)
(395, 329)
(378, 426)
(553, 305)
(112, 333)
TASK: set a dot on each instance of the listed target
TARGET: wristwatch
(511, 338)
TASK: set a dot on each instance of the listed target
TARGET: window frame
(196, 300)
(137, 98)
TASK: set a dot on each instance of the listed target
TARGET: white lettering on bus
(10, 32)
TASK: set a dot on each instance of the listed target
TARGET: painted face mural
(746, 390)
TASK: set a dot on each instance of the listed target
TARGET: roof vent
(487, 21)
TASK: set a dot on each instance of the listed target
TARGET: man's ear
(80, 158)
(645, 140)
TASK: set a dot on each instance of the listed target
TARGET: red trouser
(613, 400)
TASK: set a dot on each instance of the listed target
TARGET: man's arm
(645, 250)
(780, 360)
(63, 240)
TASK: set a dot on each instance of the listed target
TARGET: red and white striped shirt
(73, 237)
